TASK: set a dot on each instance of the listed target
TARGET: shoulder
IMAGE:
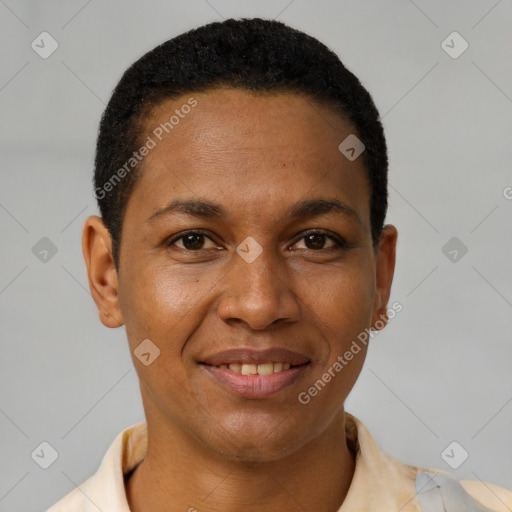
(73, 501)
(438, 490)
(105, 489)
(400, 486)
(489, 495)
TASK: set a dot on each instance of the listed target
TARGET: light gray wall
(440, 372)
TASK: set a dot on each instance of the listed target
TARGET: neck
(177, 471)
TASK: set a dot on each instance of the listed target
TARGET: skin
(256, 156)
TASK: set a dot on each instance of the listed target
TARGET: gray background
(440, 372)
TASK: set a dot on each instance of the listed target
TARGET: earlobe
(384, 270)
(101, 271)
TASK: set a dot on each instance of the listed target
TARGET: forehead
(260, 120)
(255, 150)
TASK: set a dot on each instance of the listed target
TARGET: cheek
(164, 306)
(170, 298)
(160, 304)
(343, 311)
(346, 299)
(345, 308)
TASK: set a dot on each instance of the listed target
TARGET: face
(247, 260)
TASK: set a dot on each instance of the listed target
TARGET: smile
(255, 381)
(256, 369)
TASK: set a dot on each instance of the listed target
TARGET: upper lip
(253, 356)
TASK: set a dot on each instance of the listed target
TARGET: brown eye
(192, 241)
(317, 241)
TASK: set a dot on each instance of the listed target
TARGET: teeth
(265, 369)
(249, 369)
(256, 369)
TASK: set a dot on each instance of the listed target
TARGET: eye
(192, 241)
(313, 240)
(316, 240)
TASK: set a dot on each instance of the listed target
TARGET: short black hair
(250, 53)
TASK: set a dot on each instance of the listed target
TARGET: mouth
(257, 369)
(256, 374)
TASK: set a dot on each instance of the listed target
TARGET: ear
(101, 271)
(384, 270)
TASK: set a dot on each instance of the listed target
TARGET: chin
(252, 445)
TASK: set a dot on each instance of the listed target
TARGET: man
(241, 174)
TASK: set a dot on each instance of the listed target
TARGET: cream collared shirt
(380, 483)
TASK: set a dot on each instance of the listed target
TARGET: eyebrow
(307, 208)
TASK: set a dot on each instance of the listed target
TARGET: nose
(258, 294)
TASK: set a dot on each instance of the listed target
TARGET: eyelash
(339, 242)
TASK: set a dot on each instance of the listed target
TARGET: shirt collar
(380, 483)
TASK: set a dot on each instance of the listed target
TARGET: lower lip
(255, 386)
